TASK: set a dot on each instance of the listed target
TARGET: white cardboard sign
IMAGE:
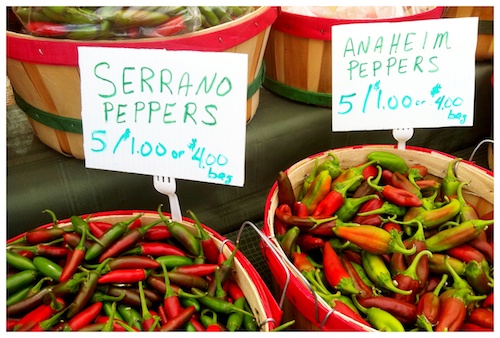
(414, 74)
(180, 114)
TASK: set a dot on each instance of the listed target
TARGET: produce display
(137, 274)
(388, 244)
(116, 22)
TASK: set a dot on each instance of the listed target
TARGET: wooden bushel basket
(298, 56)
(261, 302)
(484, 48)
(45, 76)
(300, 303)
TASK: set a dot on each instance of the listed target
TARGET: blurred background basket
(300, 304)
(45, 77)
(299, 55)
(484, 49)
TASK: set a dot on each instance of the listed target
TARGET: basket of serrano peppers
(384, 239)
(132, 271)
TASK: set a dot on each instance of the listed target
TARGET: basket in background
(46, 81)
(298, 55)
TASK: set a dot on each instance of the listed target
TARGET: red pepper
(234, 290)
(408, 279)
(173, 26)
(397, 196)
(335, 198)
(210, 249)
(308, 242)
(202, 269)
(403, 311)
(155, 249)
(400, 181)
(420, 170)
(386, 176)
(469, 327)
(157, 233)
(320, 187)
(85, 317)
(284, 214)
(388, 226)
(98, 228)
(300, 209)
(372, 239)
(372, 204)
(452, 312)
(482, 317)
(127, 241)
(179, 321)
(364, 290)
(335, 273)
(418, 241)
(481, 243)
(131, 262)
(48, 29)
(117, 323)
(123, 276)
(171, 302)
(428, 185)
(488, 301)
(428, 306)
(301, 262)
(41, 313)
(74, 260)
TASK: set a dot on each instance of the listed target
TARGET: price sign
(413, 74)
(180, 114)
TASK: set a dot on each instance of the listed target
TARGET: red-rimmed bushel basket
(259, 298)
(46, 81)
(313, 313)
(298, 56)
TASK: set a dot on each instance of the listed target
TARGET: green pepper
(289, 241)
(308, 180)
(21, 279)
(389, 161)
(378, 272)
(209, 15)
(19, 261)
(450, 182)
(380, 319)
(332, 165)
(320, 187)
(48, 268)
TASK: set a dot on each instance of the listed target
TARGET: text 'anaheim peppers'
(396, 249)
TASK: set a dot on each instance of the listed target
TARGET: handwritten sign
(413, 74)
(179, 114)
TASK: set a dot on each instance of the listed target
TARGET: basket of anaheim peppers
(117, 22)
(387, 239)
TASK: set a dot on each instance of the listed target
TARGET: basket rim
(41, 50)
(319, 28)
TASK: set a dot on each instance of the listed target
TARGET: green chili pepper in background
(386, 208)
(27, 14)
(450, 182)
(188, 301)
(19, 261)
(454, 236)
(467, 211)
(430, 219)
(389, 161)
(111, 235)
(20, 280)
(235, 320)
(48, 268)
(289, 241)
(350, 173)
(216, 304)
(320, 187)
(380, 319)
(130, 315)
(249, 322)
(332, 165)
(55, 13)
(351, 206)
(107, 309)
(81, 226)
(308, 180)
(209, 15)
(182, 234)
(171, 261)
(378, 272)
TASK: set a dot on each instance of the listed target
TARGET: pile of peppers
(124, 276)
(389, 245)
(116, 22)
